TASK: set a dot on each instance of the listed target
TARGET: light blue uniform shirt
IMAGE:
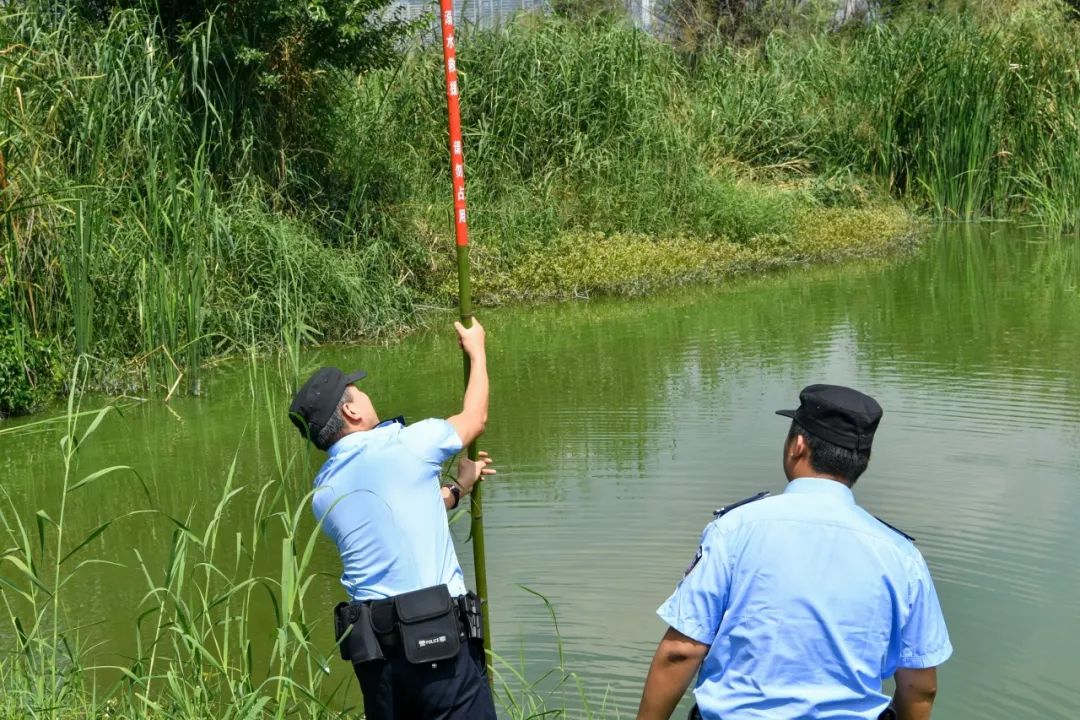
(378, 498)
(807, 603)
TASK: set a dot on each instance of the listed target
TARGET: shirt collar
(346, 443)
(356, 439)
(820, 486)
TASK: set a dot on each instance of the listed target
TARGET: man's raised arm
(469, 423)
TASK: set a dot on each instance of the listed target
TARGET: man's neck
(822, 476)
(805, 471)
(352, 429)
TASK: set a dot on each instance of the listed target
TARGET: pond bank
(630, 265)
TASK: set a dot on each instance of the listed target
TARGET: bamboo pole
(461, 235)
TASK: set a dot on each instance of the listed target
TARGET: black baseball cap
(315, 403)
(837, 414)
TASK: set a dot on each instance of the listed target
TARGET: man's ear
(351, 412)
(798, 449)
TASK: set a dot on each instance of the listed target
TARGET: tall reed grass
(569, 128)
(967, 116)
(125, 240)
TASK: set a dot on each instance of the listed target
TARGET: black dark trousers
(455, 689)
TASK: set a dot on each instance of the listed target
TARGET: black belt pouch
(357, 643)
(428, 623)
(469, 605)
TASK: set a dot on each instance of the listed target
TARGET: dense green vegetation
(178, 186)
(968, 116)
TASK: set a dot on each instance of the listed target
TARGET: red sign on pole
(457, 159)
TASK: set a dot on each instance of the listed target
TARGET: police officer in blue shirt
(802, 604)
(411, 631)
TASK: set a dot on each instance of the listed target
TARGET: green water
(619, 426)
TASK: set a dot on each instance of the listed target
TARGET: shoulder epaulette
(894, 529)
(721, 512)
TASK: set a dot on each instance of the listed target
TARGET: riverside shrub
(30, 373)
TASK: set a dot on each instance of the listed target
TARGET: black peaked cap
(837, 414)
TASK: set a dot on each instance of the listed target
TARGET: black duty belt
(423, 626)
(888, 713)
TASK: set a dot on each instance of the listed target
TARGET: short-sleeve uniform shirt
(378, 498)
(807, 603)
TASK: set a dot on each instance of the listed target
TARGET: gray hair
(334, 427)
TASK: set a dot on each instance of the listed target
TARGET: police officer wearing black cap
(410, 629)
(802, 604)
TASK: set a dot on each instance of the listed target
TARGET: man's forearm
(915, 693)
(672, 670)
(908, 708)
(469, 423)
(475, 403)
(664, 687)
